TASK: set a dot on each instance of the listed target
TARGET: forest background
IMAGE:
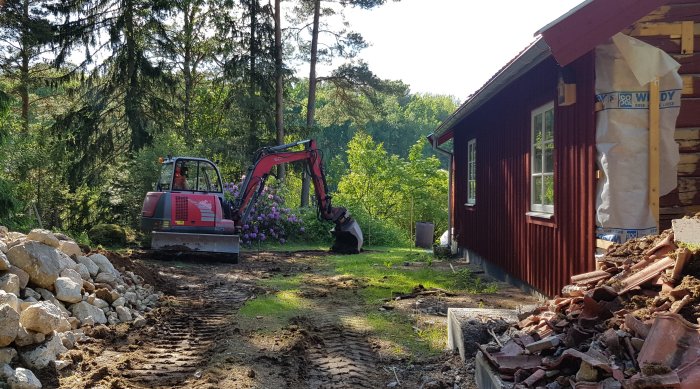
(93, 92)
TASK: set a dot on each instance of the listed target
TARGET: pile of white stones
(49, 292)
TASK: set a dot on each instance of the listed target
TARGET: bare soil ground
(194, 338)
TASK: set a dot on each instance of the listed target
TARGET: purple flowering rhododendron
(269, 219)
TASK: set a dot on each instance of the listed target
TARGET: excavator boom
(347, 233)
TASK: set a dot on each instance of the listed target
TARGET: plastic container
(424, 234)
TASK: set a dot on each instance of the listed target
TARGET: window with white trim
(542, 160)
(471, 172)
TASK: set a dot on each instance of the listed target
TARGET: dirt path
(194, 339)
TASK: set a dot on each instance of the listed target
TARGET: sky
(449, 47)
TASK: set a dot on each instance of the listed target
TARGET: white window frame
(471, 172)
(546, 209)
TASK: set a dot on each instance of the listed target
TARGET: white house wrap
(624, 69)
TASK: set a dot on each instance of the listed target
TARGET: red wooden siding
(542, 253)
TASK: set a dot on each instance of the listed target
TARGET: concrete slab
(686, 230)
(485, 376)
(467, 327)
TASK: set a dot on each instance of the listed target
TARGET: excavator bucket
(348, 237)
(226, 245)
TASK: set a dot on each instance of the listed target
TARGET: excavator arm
(346, 231)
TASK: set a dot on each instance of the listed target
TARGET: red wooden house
(524, 167)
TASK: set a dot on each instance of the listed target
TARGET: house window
(542, 156)
(471, 172)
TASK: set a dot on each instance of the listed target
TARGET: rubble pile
(52, 295)
(632, 323)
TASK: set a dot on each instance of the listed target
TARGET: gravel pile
(52, 295)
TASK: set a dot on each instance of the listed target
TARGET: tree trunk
(279, 85)
(189, 11)
(24, 70)
(311, 104)
(131, 98)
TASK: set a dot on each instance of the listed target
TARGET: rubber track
(341, 358)
(182, 343)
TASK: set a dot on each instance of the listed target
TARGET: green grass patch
(272, 312)
(407, 339)
(387, 275)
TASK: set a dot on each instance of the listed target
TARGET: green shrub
(107, 235)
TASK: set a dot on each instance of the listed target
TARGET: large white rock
(48, 296)
(24, 379)
(83, 310)
(131, 297)
(4, 262)
(23, 276)
(124, 314)
(73, 275)
(70, 248)
(3, 247)
(6, 371)
(10, 299)
(106, 278)
(7, 354)
(44, 236)
(44, 317)
(68, 339)
(99, 303)
(10, 283)
(119, 302)
(82, 271)
(89, 264)
(9, 324)
(24, 304)
(29, 292)
(43, 263)
(14, 236)
(104, 264)
(26, 337)
(39, 357)
(68, 290)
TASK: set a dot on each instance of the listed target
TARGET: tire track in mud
(340, 356)
(173, 350)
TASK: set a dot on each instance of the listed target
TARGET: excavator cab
(188, 211)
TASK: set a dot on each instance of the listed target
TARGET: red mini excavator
(188, 210)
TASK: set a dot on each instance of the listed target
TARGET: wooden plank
(689, 81)
(692, 133)
(688, 169)
(688, 145)
(690, 158)
(687, 37)
(674, 12)
(676, 211)
(688, 184)
(668, 44)
(654, 151)
(680, 199)
(674, 29)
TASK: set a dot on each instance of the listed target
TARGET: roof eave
(537, 52)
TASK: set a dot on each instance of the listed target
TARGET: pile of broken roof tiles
(630, 324)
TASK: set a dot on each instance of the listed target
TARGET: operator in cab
(180, 180)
